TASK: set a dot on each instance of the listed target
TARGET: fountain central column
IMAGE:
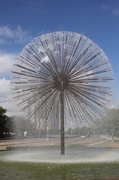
(62, 119)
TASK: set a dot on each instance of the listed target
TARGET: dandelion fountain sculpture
(66, 73)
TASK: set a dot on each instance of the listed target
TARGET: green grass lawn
(2, 148)
(46, 171)
(67, 171)
(108, 144)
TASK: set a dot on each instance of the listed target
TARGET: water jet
(63, 74)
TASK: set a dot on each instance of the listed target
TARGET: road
(52, 141)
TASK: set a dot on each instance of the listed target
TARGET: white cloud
(6, 98)
(17, 35)
(115, 12)
(6, 62)
(105, 7)
(4, 87)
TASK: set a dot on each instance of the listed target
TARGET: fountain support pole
(62, 119)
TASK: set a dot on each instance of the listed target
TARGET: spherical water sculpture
(62, 73)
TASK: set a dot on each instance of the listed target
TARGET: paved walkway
(39, 142)
(53, 141)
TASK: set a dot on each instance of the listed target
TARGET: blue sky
(23, 20)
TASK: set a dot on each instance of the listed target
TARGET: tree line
(18, 127)
(15, 126)
(107, 124)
